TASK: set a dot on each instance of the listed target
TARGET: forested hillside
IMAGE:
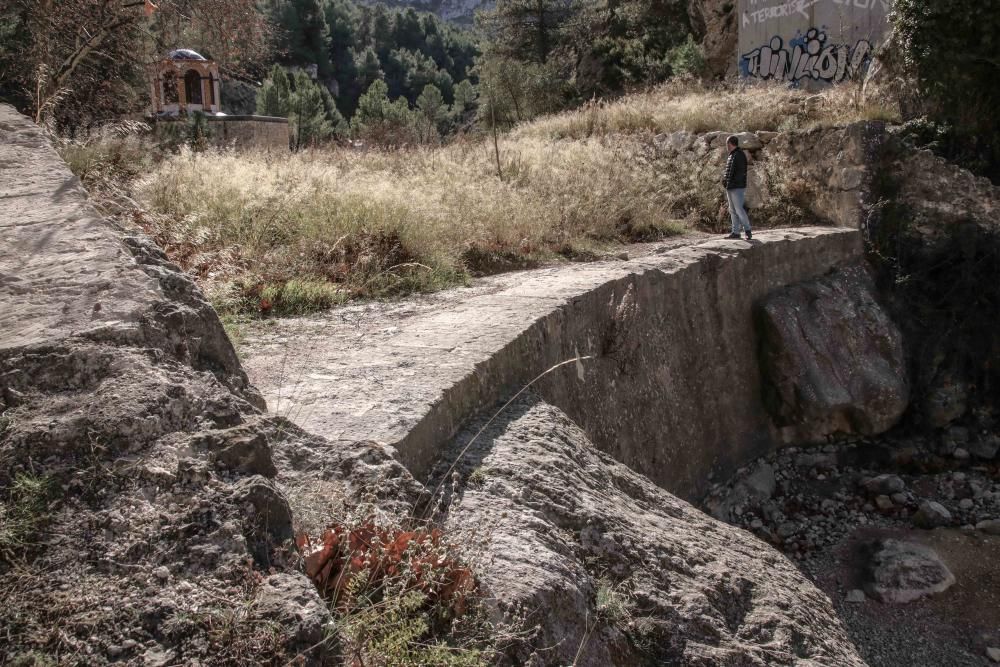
(353, 45)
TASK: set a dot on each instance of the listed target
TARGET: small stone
(885, 485)
(161, 573)
(993, 654)
(965, 503)
(989, 526)
(899, 498)
(856, 596)
(884, 503)
(622, 256)
(961, 454)
(787, 529)
(985, 448)
(931, 515)
(959, 434)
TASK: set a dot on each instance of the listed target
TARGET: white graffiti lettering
(799, 7)
(809, 57)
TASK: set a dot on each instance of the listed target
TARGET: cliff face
(716, 23)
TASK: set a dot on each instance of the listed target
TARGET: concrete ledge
(673, 389)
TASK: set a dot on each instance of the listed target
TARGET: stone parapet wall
(240, 132)
(673, 388)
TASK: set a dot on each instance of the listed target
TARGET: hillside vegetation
(290, 233)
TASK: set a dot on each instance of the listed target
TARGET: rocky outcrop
(140, 494)
(716, 22)
(832, 358)
(611, 570)
(936, 242)
(837, 164)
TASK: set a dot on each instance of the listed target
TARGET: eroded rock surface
(603, 563)
(832, 358)
(140, 494)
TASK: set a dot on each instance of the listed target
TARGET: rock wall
(831, 169)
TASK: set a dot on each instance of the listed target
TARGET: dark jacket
(735, 176)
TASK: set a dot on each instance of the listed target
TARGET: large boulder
(832, 359)
(609, 569)
(901, 572)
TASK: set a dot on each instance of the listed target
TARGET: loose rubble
(823, 493)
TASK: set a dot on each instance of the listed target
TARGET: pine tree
(307, 114)
(381, 121)
(305, 36)
(273, 98)
(433, 112)
(465, 98)
(528, 30)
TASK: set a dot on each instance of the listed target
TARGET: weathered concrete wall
(809, 42)
(674, 390)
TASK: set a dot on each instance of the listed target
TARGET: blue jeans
(736, 198)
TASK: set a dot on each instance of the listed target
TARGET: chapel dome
(185, 54)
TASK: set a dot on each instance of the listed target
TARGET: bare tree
(85, 45)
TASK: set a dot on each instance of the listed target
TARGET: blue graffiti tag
(806, 56)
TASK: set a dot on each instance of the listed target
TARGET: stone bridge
(118, 384)
(668, 380)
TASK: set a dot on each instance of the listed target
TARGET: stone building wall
(241, 132)
(809, 42)
(250, 131)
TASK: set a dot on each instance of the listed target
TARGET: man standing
(735, 181)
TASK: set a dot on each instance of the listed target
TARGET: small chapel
(183, 82)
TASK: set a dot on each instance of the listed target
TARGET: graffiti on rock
(806, 57)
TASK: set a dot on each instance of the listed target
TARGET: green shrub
(950, 47)
(688, 59)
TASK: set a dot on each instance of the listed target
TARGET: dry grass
(376, 223)
(694, 107)
(293, 233)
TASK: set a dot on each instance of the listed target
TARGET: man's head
(732, 143)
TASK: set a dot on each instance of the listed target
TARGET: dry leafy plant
(402, 596)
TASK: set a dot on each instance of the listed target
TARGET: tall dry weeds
(696, 107)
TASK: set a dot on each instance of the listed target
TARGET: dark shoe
(733, 236)
(749, 235)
